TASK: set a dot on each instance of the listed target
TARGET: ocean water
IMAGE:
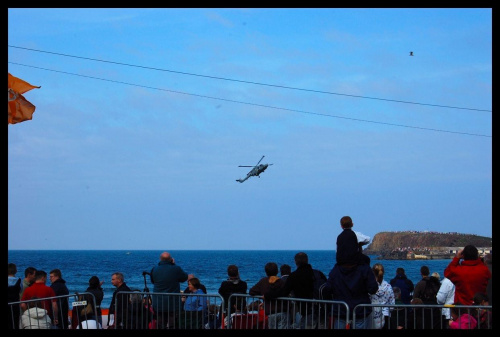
(210, 266)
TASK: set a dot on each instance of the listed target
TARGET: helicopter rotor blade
(260, 160)
(245, 166)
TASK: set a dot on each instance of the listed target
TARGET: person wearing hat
(96, 289)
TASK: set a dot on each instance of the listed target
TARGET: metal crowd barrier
(418, 316)
(284, 313)
(37, 305)
(145, 310)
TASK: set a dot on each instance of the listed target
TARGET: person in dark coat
(424, 317)
(233, 285)
(118, 280)
(399, 315)
(351, 283)
(488, 262)
(94, 298)
(275, 310)
(166, 278)
(59, 287)
(95, 289)
(347, 243)
(349, 246)
(404, 284)
(301, 284)
(14, 288)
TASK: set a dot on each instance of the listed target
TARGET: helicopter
(256, 171)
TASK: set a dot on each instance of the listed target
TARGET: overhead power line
(253, 104)
(249, 82)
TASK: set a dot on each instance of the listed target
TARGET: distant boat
(127, 253)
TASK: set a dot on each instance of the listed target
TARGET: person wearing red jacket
(43, 292)
(469, 276)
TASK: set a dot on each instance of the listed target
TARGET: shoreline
(438, 253)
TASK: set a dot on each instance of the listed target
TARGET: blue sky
(144, 115)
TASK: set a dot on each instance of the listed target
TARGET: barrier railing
(39, 313)
(145, 310)
(421, 316)
(285, 313)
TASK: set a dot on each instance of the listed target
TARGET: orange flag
(20, 109)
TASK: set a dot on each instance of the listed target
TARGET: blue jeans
(361, 323)
(278, 321)
(305, 322)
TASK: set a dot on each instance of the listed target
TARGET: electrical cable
(249, 82)
(253, 104)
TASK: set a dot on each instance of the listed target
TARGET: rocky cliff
(386, 242)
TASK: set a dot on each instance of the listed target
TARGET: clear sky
(144, 115)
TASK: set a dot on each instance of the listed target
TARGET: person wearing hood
(384, 295)
(59, 287)
(36, 317)
(468, 273)
(351, 283)
(233, 285)
(404, 284)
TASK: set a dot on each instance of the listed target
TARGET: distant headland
(409, 245)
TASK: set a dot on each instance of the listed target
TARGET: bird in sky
(411, 53)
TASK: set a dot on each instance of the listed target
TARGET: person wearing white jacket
(35, 317)
(384, 295)
(446, 295)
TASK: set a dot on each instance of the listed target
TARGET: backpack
(318, 280)
(430, 291)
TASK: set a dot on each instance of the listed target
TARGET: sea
(210, 266)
